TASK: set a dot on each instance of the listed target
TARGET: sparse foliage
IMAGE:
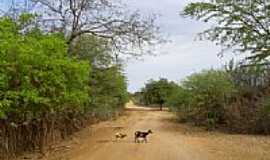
(242, 25)
(124, 30)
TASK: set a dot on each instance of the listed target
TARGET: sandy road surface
(170, 141)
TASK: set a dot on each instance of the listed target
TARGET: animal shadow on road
(103, 141)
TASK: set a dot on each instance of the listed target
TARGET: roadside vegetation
(62, 74)
(235, 97)
(236, 100)
(46, 94)
(62, 69)
(155, 93)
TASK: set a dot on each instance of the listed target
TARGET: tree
(101, 18)
(157, 92)
(108, 84)
(94, 49)
(203, 97)
(109, 88)
(36, 75)
(43, 91)
(241, 25)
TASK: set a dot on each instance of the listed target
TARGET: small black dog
(140, 134)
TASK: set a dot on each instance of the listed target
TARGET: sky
(181, 57)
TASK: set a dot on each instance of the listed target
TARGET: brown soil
(170, 141)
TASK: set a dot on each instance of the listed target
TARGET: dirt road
(170, 141)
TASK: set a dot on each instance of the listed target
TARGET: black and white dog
(142, 135)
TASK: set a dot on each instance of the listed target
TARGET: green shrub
(45, 92)
(36, 74)
(108, 84)
(156, 92)
(108, 88)
(203, 97)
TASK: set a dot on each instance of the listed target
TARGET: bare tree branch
(104, 19)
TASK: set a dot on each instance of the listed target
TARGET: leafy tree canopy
(241, 25)
(157, 92)
(36, 74)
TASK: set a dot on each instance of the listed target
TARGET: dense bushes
(246, 108)
(155, 93)
(248, 113)
(36, 73)
(235, 98)
(46, 94)
(108, 91)
(217, 99)
(203, 97)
